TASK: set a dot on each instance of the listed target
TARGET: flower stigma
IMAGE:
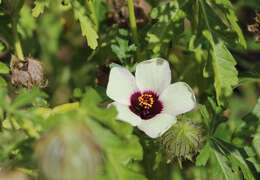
(146, 100)
(146, 104)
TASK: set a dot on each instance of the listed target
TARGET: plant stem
(17, 43)
(132, 20)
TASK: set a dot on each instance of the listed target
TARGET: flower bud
(182, 141)
(68, 152)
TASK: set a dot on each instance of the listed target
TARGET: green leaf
(223, 63)
(224, 167)
(26, 97)
(203, 156)
(122, 148)
(39, 6)
(168, 17)
(229, 156)
(2, 82)
(65, 108)
(256, 110)
(104, 115)
(121, 46)
(4, 69)
(218, 17)
(229, 15)
(27, 23)
(119, 154)
(87, 27)
(256, 142)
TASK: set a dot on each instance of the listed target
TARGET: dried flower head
(68, 152)
(12, 175)
(28, 73)
(255, 27)
(118, 13)
(182, 141)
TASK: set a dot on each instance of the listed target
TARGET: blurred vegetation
(54, 123)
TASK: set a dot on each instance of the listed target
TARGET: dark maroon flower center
(146, 104)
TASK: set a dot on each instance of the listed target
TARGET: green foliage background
(205, 41)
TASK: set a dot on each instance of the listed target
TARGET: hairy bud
(182, 141)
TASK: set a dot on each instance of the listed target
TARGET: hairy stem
(132, 20)
(17, 43)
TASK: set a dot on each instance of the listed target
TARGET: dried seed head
(13, 175)
(255, 28)
(68, 152)
(28, 73)
(118, 13)
(102, 75)
(257, 38)
(257, 18)
(182, 141)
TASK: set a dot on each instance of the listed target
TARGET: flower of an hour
(149, 100)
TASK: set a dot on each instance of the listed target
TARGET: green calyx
(182, 141)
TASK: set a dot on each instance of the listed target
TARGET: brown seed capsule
(253, 28)
(257, 37)
(13, 175)
(118, 13)
(68, 152)
(28, 73)
(257, 18)
(102, 75)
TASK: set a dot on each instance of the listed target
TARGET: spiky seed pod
(68, 152)
(28, 73)
(182, 141)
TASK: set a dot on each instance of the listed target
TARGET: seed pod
(182, 141)
(68, 152)
(13, 175)
(118, 13)
(255, 28)
(257, 18)
(28, 73)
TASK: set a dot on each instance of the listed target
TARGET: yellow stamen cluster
(146, 100)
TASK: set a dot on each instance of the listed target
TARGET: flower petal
(153, 74)
(121, 85)
(178, 98)
(158, 125)
(126, 115)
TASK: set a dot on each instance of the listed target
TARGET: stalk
(132, 20)
(17, 43)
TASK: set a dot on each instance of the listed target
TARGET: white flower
(148, 100)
